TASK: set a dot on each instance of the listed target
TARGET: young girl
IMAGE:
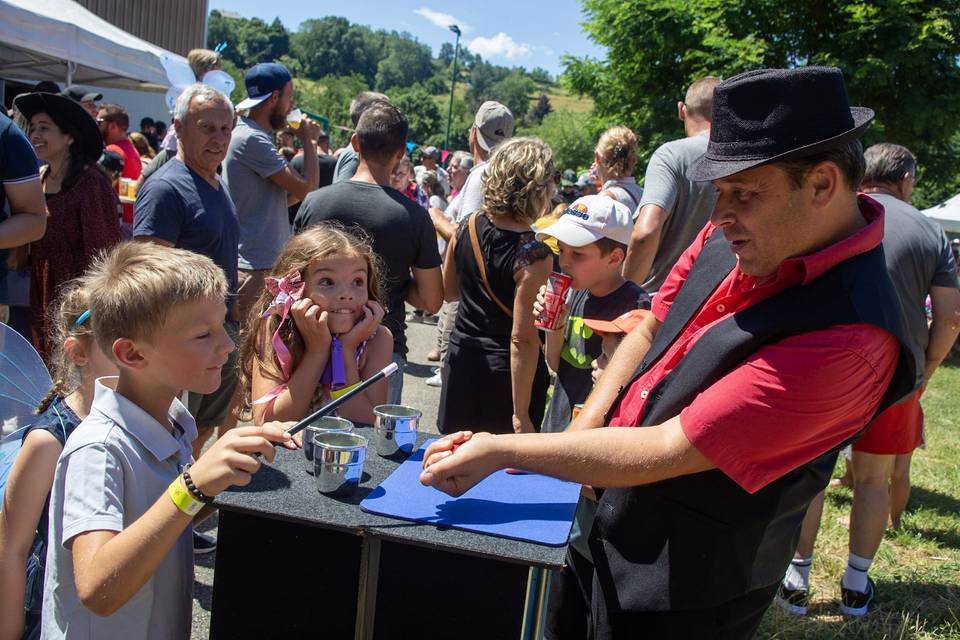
(315, 332)
(76, 363)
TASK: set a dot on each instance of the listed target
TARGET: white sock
(798, 574)
(855, 577)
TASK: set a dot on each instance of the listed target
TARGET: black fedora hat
(769, 115)
(61, 108)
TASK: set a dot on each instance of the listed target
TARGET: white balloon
(221, 81)
(171, 98)
(178, 71)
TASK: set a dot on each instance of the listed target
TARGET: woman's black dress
(477, 393)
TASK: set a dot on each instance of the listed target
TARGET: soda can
(558, 284)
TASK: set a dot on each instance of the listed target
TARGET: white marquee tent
(947, 214)
(61, 41)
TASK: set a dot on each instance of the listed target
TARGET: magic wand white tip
(390, 369)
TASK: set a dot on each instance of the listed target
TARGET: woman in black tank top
(495, 378)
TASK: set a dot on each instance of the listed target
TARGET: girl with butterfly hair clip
(315, 333)
(616, 158)
(76, 363)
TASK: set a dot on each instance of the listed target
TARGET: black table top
(283, 490)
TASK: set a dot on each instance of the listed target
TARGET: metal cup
(395, 429)
(338, 461)
(322, 425)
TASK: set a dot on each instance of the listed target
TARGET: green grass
(917, 570)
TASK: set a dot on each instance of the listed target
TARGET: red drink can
(556, 294)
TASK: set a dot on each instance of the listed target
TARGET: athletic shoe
(431, 320)
(856, 603)
(203, 544)
(435, 380)
(794, 601)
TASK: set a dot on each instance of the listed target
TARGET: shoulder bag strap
(472, 226)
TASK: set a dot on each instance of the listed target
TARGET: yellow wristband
(344, 390)
(181, 497)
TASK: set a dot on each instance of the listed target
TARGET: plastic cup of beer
(294, 118)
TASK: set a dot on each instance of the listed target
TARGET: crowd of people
(757, 305)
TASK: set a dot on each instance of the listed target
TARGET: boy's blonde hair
(135, 286)
(518, 182)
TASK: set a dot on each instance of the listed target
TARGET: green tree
(423, 113)
(541, 75)
(330, 96)
(332, 46)
(407, 62)
(899, 57)
(514, 91)
(570, 135)
(541, 109)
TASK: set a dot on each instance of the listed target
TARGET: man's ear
(178, 127)
(824, 180)
(75, 350)
(681, 111)
(128, 354)
(355, 142)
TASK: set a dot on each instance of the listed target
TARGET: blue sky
(507, 32)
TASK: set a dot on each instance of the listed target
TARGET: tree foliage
(898, 57)
(572, 137)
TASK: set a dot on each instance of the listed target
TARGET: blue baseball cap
(261, 81)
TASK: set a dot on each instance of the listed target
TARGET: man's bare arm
(944, 327)
(625, 361)
(644, 242)
(28, 214)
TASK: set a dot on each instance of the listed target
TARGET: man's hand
(230, 461)
(312, 324)
(459, 461)
(308, 131)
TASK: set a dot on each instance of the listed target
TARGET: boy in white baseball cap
(593, 234)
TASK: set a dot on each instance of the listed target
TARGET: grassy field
(917, 570)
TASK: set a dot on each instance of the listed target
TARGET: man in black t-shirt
(401, 231)
(325, 162)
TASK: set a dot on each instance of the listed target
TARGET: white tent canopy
(947, 214)
(61, 41)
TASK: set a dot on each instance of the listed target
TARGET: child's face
(338, 285)
(609, 344)
(191, 348)
(585, 264)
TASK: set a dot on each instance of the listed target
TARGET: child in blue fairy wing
(77, 362)
(315, 332)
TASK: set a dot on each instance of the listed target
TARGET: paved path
(421, 339)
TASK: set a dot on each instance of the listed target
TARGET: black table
(292, 562)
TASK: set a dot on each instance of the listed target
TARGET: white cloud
(499, 46)
(442, 20)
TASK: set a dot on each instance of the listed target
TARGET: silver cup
(322, 425)
(395, 429)
(338, 461)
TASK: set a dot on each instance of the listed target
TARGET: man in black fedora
(774, 340)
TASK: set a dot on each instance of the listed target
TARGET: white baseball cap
(590, 218)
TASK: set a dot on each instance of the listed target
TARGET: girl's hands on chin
(312, 324)
(366, 327)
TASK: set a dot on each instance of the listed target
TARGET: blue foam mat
(528, 507)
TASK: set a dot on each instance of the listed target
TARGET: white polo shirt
(114, 467)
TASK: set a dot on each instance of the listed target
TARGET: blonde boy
(120, 556)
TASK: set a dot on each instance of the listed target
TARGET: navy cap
(261, 81)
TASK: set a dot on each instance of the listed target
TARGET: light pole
(453, 84)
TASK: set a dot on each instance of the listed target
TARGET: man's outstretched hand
(455, 463)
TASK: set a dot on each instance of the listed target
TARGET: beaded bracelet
(192, 488)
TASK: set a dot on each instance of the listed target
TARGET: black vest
(700, 540)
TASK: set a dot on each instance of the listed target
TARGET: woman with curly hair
(495, 378)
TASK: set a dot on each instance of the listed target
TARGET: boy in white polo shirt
(124, 496)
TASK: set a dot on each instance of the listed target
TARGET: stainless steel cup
(395, 429)
(322, 425)
(338, 461)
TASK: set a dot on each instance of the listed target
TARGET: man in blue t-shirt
(186, 205)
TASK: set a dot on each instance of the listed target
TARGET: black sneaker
(203, 544)
(794, 601)
(856, 603)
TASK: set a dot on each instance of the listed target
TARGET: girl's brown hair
(70, 306)
(316, 243)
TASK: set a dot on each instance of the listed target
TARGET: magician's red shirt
(788, 402)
